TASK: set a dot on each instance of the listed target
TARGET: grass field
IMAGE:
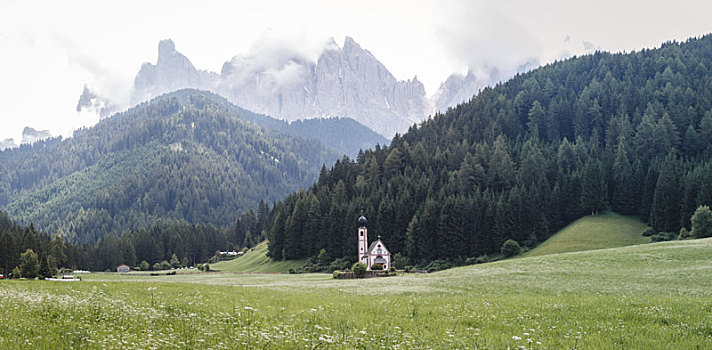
(605, 230)
(256, 260)
(653, 296)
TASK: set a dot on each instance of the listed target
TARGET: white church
(376, 253)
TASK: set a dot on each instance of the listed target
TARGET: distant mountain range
(347, 82)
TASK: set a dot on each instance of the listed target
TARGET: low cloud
(109, 85)
(485, 39)
(278, 56)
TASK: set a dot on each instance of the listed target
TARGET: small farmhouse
(374, 256)
(123, 269)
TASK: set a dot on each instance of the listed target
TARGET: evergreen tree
(9, 252)
(623, 200)
(44, 271)
(593, 187)
(665, 210)
(501, 166)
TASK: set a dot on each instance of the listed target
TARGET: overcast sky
(50, 49)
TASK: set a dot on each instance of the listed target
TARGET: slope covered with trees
(186, 157)
(627, 132)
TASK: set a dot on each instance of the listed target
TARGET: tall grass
(656, 296)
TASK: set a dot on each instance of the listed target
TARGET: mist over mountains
(343, 81)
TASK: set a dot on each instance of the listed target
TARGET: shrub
(323, 258)
(377, 267)
(29, 264)
(531, 241)
(438, 265)
(16, 272)
(510, 248)
(648, 232)
(399, 261)
(663, 237)
(144, 266)
(156, 266)
(684, 234)
(165, 265)
(702, 222)
(477, 260)
(340, 264)
(309, 267)
(359, 269)
(175, 263)
(482, 259)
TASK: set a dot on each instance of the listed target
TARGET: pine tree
(44, 268)
(623, 200)
(294, 232)
(665, 211)
(593, 187)
(9, 252)
(537, 123)
(276, 235)
(501, 167)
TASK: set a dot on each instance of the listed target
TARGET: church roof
(373, 246)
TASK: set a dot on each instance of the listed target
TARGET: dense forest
(175, 244)
(628, 132)
(186, 157)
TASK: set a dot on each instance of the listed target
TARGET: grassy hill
(256, 260)
(606, 230)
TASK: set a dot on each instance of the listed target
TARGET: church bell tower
(362, 240)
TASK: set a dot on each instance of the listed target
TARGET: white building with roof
(374, 254)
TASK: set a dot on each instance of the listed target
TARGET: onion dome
(362, 221)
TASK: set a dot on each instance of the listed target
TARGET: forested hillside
(627, 132)
(185, 157)
(343, 135)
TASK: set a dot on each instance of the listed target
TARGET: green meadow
(653, 296)
(605, 230)
(256, 260)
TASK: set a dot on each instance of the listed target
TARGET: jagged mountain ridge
(344, 82)
(459, 88)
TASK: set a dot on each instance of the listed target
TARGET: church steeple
(362, 240)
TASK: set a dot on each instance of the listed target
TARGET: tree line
(162, 246)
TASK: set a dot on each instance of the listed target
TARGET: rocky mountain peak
(343, 82)
(165, 48)
(171, 72)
